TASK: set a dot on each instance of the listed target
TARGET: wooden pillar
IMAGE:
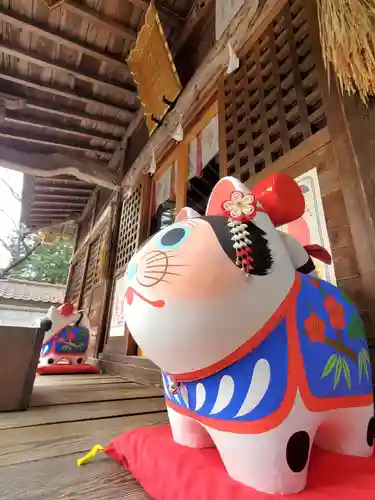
(114, 222)
(116, 204)
(69, 278)
(82, 286)
(353, 149)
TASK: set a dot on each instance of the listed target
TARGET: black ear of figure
(45, 324)
(308, 267)
(261, 252)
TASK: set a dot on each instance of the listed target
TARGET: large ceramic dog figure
(258, 359)
(67, 336)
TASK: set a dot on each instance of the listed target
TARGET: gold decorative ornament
(153, 70)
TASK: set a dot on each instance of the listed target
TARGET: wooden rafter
(49, 33)
(62, 192)
(69, 204)
(127, 89)
(99, 18)
(46, 198)
(200, 11)
(52, 210)
(43, 87)
(61, 181)
(10, 100)
(166, 15)
(87, 134)
(50, 165)
(58, 145)
(46, 216)
(119, 154)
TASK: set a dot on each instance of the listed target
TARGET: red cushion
(62, 369)
(168, 471)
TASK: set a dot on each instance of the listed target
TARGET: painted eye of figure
(173, 238)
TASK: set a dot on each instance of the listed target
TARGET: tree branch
(15, 195)
(338, 346)
(6, 246)
(12, 265)
(10, 218)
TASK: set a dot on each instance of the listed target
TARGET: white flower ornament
(240, 206)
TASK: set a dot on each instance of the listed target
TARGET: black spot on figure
(297, 451)
(260, 250)
(371, 432)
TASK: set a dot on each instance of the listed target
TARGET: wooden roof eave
(49, 165)
(63, 104)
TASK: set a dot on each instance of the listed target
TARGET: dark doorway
(164, 216)
(200, 188)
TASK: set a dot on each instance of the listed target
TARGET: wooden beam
(42, 199)
(47, 217)
(11, 118)
(51, 165)
(141, 4)
(84, 194)
(55, 36)
(13, 101)
(64, 179)
(66, 222)
(166, 15)
(200, 11)
(59, 203)
(43, 87)
(51, 210)
(5, 135)
(119, 154)
(127, 89)
(245, 25)
(99, 18)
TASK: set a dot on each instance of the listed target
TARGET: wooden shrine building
(71, 83)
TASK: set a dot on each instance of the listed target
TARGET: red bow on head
(281, 198)
(66, 309)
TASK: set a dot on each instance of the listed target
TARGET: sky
(10, 208)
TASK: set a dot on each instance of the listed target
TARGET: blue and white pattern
(249, 390)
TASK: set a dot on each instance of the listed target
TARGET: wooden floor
(69, 415)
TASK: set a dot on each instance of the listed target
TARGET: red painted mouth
(129, 296)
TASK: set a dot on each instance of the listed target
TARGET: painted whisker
(163, 273)
(163, 266)
(159, 280)
(158, 257)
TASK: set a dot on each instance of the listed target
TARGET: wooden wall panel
(344, 253)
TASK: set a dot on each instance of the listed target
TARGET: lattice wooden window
(93, 267)
(76, 280)
(272, 103)
(129, 229)
(84, 228)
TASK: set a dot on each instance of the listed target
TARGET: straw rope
(347, 31)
